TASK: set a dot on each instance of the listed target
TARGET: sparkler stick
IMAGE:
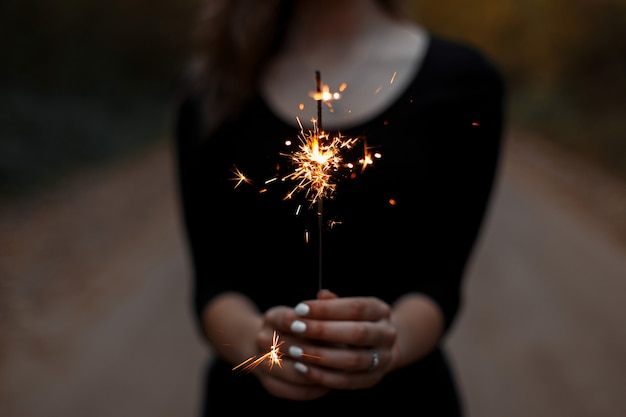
(317, 159)
(318, 84)
(320, 206)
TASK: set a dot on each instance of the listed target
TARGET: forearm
(231, 322)
(419, 324)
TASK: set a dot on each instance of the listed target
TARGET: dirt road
(541, 333)
(95, 319)
(95, 316)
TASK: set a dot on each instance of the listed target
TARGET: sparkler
(317, 160)
(239, 177)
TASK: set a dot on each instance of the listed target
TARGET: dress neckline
(415, 69)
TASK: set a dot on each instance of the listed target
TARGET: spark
(274, 357)
(367, 158)
(325, 95)
(317, 159)
(333, 223)
(239, 177)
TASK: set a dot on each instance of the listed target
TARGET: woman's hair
(234, 40)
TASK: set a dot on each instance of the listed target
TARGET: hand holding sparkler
(352, 338)
(317, 161)
(274, 368)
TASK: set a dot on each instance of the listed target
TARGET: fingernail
(302, 309)
(298, 326)
(300, 367)
(295, 351)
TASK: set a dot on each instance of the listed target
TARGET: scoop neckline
(416, 71)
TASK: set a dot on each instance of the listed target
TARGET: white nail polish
(302, 309)
(295, 351)
(298, 326)
(300, 367)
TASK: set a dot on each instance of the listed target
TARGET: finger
(343, 359)
(349, 308)
(338, 379)
(353, 333)
(280, 318)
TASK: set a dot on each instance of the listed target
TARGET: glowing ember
(317, 159)
(239, 177)
(325, 94)
(274, 357)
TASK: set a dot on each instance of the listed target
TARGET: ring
(375, 360)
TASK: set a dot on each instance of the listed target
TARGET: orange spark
(325, 94)
(274, 357)
(317, 159)
(239, 177)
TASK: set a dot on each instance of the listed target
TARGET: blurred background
(94, 315)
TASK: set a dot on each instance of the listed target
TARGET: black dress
(407, 223)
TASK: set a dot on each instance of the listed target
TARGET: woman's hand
(340, 343)
(241, 334)
(323, 344)
(277, 371)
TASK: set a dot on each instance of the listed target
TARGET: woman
(390, 241)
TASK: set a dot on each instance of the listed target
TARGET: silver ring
(375, 360)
